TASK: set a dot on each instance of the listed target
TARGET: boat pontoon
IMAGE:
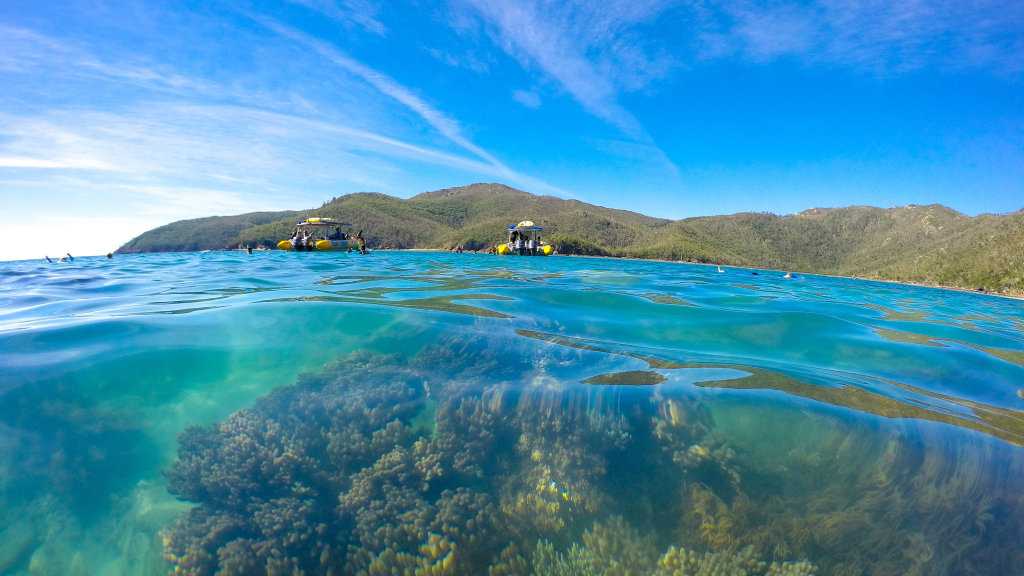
(524, 239)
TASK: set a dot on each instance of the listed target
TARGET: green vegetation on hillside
(212, 233)
(928, 244)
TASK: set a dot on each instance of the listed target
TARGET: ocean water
(427, 413)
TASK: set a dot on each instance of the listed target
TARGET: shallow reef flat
(380, 465)
(424, 413)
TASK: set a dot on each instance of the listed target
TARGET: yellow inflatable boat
(524, 239)
(321, 234)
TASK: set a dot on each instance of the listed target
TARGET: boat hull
(506, 250)
(320, 246)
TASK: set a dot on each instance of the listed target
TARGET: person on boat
(337, 234)
(531, 246)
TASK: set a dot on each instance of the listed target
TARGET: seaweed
(379, 465)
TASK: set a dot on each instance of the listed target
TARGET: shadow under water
(466, 459)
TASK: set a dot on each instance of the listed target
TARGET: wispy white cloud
(589, 49)
(27, 51)
(527, 98)
(259, 153)
(160, 201)
(79, 163)
(22, 49)
(637, 155)
(595, 51)
(874, 35)
(220, 141)
(592, 50)
(362, 13)
(472, 61)
(387, 86)
(46, 145)
(446, 126)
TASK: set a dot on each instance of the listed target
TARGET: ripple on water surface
(466, 414)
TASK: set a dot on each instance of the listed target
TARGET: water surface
(469, 414)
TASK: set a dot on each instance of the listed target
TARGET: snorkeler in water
(48, 259)
(361, 242)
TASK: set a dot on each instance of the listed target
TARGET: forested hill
(928, 244)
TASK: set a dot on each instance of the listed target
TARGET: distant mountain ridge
(929, 244)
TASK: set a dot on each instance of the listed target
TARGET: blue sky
(119, 116)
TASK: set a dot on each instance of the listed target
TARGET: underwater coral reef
(438, 465)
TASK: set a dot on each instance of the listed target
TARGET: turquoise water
(439, 413)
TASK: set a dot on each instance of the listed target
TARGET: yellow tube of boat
(503, 249)
(323, 245)
(284, 245)
(547, 249)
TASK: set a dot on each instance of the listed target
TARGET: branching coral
(684, 432)
(339, 473)
(462, 441)
(436, 557)
(380, 467)
(682, 562)
(268, 478)
(614, 548)
(562, 459)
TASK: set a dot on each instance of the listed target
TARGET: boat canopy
(322, 222)
(524, 226)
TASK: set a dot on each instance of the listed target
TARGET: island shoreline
(1019, 296)
(1010, 295)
